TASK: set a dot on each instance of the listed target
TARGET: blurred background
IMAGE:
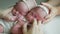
(4, 4)
(53, 27)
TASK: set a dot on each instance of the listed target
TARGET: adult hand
(35, 28)
(52, 13)
(6, 15)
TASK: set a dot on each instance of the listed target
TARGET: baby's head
(39, 12)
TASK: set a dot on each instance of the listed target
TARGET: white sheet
(53, 27)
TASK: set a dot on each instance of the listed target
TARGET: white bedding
(53, 27)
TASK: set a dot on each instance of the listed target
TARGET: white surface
(53, 27)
